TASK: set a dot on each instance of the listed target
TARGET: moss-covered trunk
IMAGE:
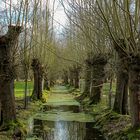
(87, 78)
(134, 89)
(121, 96)
(7, 74)
(98, 75)
(66, 77)
(88, 71)
(76, 78)
(7, 102)
(38, 78)
(76, 75)
(71, 77)
(46, 84)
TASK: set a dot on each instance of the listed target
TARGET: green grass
(106, 87)
(21, 85)
(64, 116)
(19, 89)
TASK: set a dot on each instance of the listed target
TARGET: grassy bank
(19, 88)
(114, 126)
(22, 125)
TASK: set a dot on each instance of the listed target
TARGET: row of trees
(26, 49)
(101, 37)
(106, 36)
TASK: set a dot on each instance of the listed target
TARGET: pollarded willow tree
(8, 51)
(42, 45)
(69, 65)
(121, 19)
(36, 43)
(94, 43)
(7, 73)
(74, 54)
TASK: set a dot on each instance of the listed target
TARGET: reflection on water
(72, 108)
(63, 130)
(62, 118)
(69, 131)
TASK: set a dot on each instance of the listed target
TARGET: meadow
(19, 88)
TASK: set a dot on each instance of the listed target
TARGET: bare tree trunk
(76, 73)
(121, 97)
(35, 90)
(25, 90)
(40, 83)
(52, 82)
(7, 101)
(38, 77)
(65, 76)
(71, 76)
(76, 78)
(96, 87)
(87, 81)
(98, 74)
(7, 75)
(110, 93)
(134, 88)
(46, 84)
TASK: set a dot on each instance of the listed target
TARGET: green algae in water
(60, 99)
(58, 87)
(61, 89)
(59, 103)
(63, 100)
(55, 122)
(64, 116)
(33, 138)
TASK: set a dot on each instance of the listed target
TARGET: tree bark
(7, 102)
(38, 78)
(76, 78)
(25, 89)
(71, 76)
(98, 74)
(87, 81)
(121, 97)
(52, 82)
(7, 74)
(96, 85)
(134, 89)
(76, 74)
(110, 94)
(65, 77)
(46, 84)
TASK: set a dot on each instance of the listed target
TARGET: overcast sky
(59, 14)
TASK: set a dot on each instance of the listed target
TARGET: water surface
(62, 118)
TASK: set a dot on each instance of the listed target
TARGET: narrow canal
(62, 118)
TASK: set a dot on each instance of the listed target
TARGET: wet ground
(62, 118)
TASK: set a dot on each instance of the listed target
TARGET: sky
(60, 19)
(59, 14)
